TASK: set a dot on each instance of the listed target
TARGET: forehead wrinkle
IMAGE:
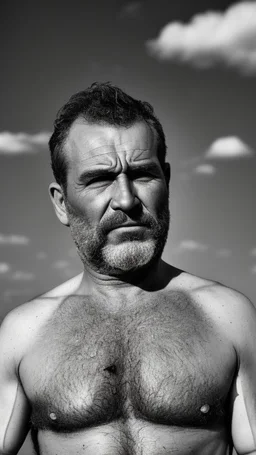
(112, 144)
(108, 153)
(140, 156)
(119, 163)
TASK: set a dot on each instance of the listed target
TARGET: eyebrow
(142, 167)
(94, 173)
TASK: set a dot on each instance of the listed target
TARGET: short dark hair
(100, 103)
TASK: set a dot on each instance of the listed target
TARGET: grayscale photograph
(127, 234)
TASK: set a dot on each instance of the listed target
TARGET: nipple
(205, 408)
(53, 416)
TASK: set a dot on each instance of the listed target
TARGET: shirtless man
(132, 357)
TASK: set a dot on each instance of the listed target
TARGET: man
(133, 356)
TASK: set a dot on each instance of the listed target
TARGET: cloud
(23, 276)
(13, 239)
(212, 38)
(4, 268)
(228, 147)
(16, 143)
(206, 169)
(253, 252)
(223, 148)
(131, 9)
(192, 245)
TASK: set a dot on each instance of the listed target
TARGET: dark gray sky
(195, 62)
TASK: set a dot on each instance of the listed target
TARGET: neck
(149, 279)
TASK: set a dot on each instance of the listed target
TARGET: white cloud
(4, 268)
(13, 239)
(228, 147)
(206, 169)
(253, 252)
(15, 143)
(192, 245)
(23, 276)
(211, 38)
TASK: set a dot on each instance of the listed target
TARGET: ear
(57, 198)
(167, 173)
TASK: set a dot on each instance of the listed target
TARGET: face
(117, 196)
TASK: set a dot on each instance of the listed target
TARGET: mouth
(130, 226)
(128, 232)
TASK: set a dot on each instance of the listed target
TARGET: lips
(121, 220)
(127, 225)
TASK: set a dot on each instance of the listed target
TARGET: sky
(195, 62)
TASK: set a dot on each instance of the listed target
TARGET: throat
(153, 277)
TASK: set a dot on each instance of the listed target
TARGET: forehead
(102, 144)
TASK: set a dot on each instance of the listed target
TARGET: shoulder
(229, 308)
(22, 324)
(213, 291)
(67, 288)
(20, 327)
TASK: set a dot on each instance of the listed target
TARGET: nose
(124, 197)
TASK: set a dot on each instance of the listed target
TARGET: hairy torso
(150, 379)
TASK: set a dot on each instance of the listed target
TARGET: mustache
(121, 218)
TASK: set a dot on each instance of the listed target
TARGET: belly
(134, 437)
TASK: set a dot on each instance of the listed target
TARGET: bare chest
(161, 362)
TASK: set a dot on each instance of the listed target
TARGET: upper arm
(244, 392)
(14, 407)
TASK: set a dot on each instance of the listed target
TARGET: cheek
(152, 194)
(90, 206)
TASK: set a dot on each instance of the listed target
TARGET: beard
(131, 251)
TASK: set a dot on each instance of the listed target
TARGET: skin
(123, 189)
(161, 351)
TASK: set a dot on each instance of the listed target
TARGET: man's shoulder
(65, 289)
(26, 320)
(205, 287)
(213, 294)
(228, 298)
(225, 306)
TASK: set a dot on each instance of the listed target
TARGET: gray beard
(134, 252)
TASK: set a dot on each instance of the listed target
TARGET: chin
(128, 256)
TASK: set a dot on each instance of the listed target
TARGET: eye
(100, 180)
(142, 176)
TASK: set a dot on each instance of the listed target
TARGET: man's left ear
(167, 173)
